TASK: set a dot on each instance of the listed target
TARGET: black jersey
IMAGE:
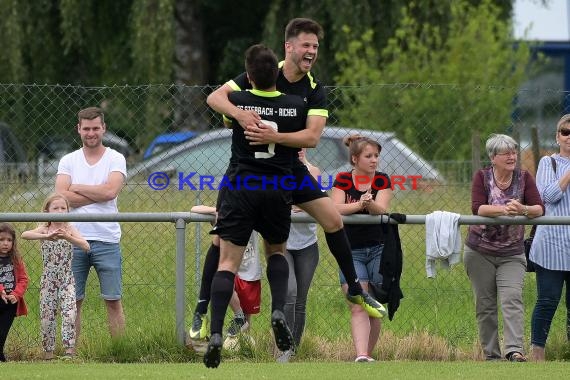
(362, 235)
(308, 88)
(286, 113)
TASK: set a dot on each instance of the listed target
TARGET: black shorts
(243, 211)
(220, 198)
(306, 187)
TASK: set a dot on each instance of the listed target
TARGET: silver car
(208, 154)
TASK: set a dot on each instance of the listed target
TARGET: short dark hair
(261, 66)
(91, 113)
(303, 25)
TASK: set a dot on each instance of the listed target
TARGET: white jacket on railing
(443, 240)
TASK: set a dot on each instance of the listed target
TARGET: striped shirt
(551, 245)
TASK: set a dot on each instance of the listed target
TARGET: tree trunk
(190, 66)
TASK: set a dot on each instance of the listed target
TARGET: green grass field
(397, 370)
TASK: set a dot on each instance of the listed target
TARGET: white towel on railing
(443, 240)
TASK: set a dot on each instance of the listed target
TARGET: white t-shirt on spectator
(75, 165)
(250, 268)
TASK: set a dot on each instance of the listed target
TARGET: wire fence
(442, 146)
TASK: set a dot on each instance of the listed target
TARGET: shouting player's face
(302, 51)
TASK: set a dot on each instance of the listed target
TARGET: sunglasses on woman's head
(564, 132)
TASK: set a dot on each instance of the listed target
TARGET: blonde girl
(57, 285)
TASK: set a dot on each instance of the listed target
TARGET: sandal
(67, 356)
(516, 357)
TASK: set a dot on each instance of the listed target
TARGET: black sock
(222, 289)
(340, 248)
(278, 277)
(210, 267)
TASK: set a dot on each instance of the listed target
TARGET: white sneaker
(364, 359)
(284, 356)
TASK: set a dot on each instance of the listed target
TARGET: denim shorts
(106, 259)
(367, 264)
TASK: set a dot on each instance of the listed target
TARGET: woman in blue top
(550, 249)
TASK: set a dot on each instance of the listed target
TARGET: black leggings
(7, 315)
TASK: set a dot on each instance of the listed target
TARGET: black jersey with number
(286, 113)
(308, 88)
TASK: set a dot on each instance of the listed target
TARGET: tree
(185, 42)
(382, 17)
(448, 83)
(190, 67)
(152, 31)
(92, 42)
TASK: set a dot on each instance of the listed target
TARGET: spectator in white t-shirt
(246, 299)
(91, 179)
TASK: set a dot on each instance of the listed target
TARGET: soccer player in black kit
(257, 197)
(301, 50)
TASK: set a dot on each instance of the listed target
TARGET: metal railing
(180, 219)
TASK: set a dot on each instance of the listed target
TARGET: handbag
(528, 241)
(527, 244)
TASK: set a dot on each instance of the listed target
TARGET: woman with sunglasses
(494, 254)
(550, 249)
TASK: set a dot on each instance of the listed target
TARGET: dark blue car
(166, 140)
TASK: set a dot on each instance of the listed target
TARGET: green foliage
(11, 68)
(474, 51)
(360, 56)
(72, 18)
(152, 33)
(126, 41)
(227, 38)
(65, 41)
(380, 16)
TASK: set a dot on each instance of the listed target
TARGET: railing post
(180, 280)
(198, 249)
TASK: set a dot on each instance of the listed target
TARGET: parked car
(166, 140)
(52, 148)
(209, 153)
(13, 159)
(120, 144)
